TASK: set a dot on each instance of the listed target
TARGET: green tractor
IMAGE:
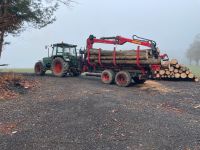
(63, 61)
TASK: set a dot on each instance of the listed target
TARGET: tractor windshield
(70, 51)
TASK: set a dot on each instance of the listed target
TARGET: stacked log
(173, 70)
(122, 57)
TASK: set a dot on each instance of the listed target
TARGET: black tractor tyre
(139, 81)
(39, 69)
(59, 67)
(75, 72)
(123, 79)
(107, 76)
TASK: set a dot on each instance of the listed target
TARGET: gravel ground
(82, 113)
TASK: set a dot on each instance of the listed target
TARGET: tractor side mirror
(81, 51)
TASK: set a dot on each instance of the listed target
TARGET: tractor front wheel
(59, 67)
(39, 69)
(123, 78)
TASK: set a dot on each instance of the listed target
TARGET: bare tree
(193, 53)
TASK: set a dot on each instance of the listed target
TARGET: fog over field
(173, 24)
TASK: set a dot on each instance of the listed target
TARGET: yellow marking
(136, 42)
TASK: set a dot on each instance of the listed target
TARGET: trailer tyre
(108, 76)
(59, 67)
(39, 69)
(123, 78)
(139, 81)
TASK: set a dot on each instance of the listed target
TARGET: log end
(196, 79)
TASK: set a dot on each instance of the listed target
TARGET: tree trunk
(3, 12)
(1, 41)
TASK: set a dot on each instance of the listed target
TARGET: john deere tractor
(63, 61)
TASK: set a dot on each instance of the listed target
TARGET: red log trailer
(121, 67)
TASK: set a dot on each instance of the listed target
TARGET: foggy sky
(173, 24)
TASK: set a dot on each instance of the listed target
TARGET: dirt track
(82, 113)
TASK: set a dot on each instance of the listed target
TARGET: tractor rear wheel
(59, 67)
(139, 81)
(123, 78)
(39, 69)
(108, 76)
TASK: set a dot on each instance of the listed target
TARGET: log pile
(122, 57)
(174, 71)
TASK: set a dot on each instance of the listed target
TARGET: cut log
(177, 66)
(166, 65)
(172, 76)
(187, 72)
(196, 80)
(134, 62)
(120, 52)
(177, 75)
(172, 73)
(174, 62)
(171, 69)
(184, 69)
(191, 76)
(176, 70)
(183, 75)
(134, 57)
(180, 71)
(167, 72)
(162, 72)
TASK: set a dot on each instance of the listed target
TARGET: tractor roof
(64, 45)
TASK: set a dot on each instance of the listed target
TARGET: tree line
(193, 52)
(17, 15)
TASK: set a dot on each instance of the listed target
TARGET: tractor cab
(65, 50)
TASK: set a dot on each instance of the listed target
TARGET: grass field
(18, 70)
(195, 70)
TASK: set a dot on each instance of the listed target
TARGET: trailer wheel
(59, 67)
(138, 81)
(123, 78)
(39, 69)
(108, 76)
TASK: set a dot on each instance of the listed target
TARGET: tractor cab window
(54, 51)
(70, 51)
(59, 51)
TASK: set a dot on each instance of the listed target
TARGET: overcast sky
(173, 24)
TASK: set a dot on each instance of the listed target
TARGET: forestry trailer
(121, 66)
